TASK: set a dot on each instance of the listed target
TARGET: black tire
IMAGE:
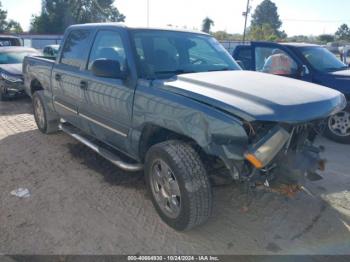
(3, 96)
(46, 121)
(192, 180)
(332, 135)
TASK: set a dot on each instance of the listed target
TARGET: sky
(307, 17)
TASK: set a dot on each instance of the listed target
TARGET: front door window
(274, 61)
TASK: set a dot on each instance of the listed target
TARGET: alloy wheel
(165, 189)
(339, 124)
(39, 113)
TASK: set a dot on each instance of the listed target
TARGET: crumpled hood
(14, 69)
(258, 96)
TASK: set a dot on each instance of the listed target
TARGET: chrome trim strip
(66, 107)
(103, 125)
(92, 120)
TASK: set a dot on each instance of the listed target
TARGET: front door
(107, 108)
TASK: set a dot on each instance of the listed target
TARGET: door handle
(83, 85)
(57, 77)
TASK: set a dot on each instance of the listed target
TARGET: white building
(39, 41)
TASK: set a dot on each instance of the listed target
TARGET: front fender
(218, 133)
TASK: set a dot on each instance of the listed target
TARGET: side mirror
(107, 68)
(240, 63)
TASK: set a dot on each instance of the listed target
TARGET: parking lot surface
(81, 204)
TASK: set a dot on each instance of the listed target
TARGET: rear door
(244, 57)
(67, 74)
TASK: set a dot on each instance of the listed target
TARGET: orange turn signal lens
(254, 161)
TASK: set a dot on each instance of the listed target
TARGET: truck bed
(37, 67)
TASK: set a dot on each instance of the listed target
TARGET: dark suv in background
(307, 62)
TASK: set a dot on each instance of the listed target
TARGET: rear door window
(244, 54)
(75, 48)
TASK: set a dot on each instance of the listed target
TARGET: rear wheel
(179, 185)
(3, 94)
(338, 127)
(45, 123)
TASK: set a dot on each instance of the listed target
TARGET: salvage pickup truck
(177, 105)
(307, 62)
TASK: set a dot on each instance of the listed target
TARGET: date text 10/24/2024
(173, 258)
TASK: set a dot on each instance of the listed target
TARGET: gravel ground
(81, 204)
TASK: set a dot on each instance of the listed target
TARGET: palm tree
(206, 24)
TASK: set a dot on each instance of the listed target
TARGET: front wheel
(338, 127)
(178, 183)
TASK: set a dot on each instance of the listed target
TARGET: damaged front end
(283, 152)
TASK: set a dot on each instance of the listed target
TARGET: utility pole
(147, 13)
(246, 13)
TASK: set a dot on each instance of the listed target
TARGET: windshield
(14, 57)
(322, 59)
(162, 54)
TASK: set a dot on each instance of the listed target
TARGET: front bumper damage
(12, 88)
(285, 153)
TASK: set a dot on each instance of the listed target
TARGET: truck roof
(122, 25)
(300, 44)
(9, 36)
(283, 43)
(5, 49)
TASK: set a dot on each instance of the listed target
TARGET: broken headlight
(10, 78)
(260, 154)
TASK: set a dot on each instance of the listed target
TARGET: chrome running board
(105, 153)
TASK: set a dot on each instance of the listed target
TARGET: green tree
(343, 32)
(262, 33)
(3, 17)
(207, 23)
(223, 35)
(56, 15)
(8, 26)
(300, 38)
(14, 27)
(267, 14)
(325, 38)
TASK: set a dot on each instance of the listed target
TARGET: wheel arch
(214, 148)
(35, 85)
(152, 134)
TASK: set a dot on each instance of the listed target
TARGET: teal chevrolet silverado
(177, 106)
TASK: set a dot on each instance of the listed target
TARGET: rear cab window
(75, 48)
(10, 41)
